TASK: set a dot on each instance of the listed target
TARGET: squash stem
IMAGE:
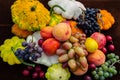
(51, 10)
(99, 16)
(25, 63)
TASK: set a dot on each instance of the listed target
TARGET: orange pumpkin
(20, 32)
(105, 20)
(74, 28)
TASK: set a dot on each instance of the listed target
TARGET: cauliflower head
(57, 72)
(30, 15)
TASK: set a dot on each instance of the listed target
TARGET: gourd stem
(13, 49)
(25, 63)
(51, 10)
(99, 16)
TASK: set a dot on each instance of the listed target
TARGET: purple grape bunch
(31, 51)
(88, 21)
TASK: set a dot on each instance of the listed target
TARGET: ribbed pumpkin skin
(30, 15)
(106, 21)
(20, 32)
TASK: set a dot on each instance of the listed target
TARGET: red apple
(100, 39)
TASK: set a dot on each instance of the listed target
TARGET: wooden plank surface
(14, 72)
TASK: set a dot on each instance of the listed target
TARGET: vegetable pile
(66, 39)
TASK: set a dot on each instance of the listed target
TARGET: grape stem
(83, 14)
(114, 63)
(23, 62)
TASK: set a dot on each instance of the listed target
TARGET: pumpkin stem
(99, 16)
(51, 10)
(33, 8)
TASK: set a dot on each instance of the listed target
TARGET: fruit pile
(69, 43)
(107, 69)
(73, 53)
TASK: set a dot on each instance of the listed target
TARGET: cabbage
(56, 72)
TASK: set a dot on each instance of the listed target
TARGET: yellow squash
(30, 15)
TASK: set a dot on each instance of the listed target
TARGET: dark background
(14, 72)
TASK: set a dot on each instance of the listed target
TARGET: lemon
(91, 45)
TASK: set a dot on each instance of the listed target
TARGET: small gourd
(20, 32)
(105, 20)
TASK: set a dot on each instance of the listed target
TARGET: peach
(100, 39)
(46, 32)
(62, 31)
(82, 67)
(81, 71)
(50, 46)
(97, 58)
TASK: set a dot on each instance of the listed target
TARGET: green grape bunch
(107, 69)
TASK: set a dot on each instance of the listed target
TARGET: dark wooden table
(14, 72)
